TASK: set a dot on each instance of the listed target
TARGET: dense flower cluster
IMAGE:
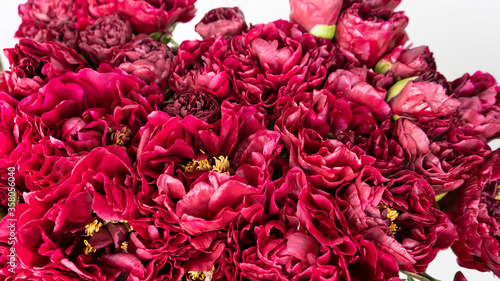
(261, 152)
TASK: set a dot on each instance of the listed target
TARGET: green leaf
(440, 196)
(324, 31)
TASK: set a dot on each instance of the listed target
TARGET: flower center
(122, 136)
(201, 276)
(391, 214)
(94, 227)
(220, 164)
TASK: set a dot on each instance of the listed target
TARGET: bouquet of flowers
(323, 147)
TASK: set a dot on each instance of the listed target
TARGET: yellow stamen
(124, 246)
(201, 276)
(391, 214)
(92, 228)
(88, 248)
(122, 136)
(220, 165)
(497, 197)
(197, 276)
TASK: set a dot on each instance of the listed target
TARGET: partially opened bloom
(423, 99)
(479, 103)
(225, 21)
(318, 17)
(391, 214)
(99, 40)
(403, 63)
(57, 226)
(145, 58)
(33, 64)
(370, 33)
(474, 209)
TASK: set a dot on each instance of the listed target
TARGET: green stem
(415, 275)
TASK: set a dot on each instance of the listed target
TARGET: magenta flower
(474, 209)
(405, 63)
(479, 103)
(418, 99)
(145, 58)
(32, 64)
(318, 17)
(107, 34)
(198, 67)
(49, 20)
(370, 33)
(224, 21)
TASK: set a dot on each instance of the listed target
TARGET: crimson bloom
(99, 40)
(370, 33)
(33, 64)
(145, 58)
(226, 21)
(479, 103)
(474, 209)
(318, 17)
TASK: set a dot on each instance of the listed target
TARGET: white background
(464, 36)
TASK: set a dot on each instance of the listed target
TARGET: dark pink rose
(76, 113)
(107, 34)
(370, 33)
(51, 224)
(318, 212)
(49, 20)
(271, 60)
(391, 214)
(474, 208)
(318, 17)
(283, 253)
(319, 110)
(46, 60)
(145, 58)
(32, 64)
(226, 21)
(406, 62)
(184, 149)
(198, 67)
(327, 162)
(479, 103)
(455, 154)
(423, 99)
(355, 88)
(389, 155)
(199, 104)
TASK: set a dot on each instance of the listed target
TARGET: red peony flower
(479, 103)
(107, 34)
(198, 67)
(145, 58)
(370, 33)
(33, 64)
(49, 20)
(58, 228)
(318, 17)
(474, 209)
(224, 21)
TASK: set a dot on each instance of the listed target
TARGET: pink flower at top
(370, 33)
(226, 21)
(319, 17)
